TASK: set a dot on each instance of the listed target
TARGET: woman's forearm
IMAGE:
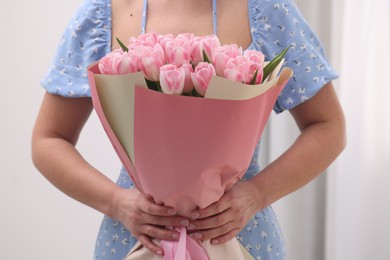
(322, 139)
(59, 161)
(54, 138)
(314, 150)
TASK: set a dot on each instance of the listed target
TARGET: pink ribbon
(184, 249)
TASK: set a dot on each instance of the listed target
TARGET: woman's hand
(145, 219)
(224, 219)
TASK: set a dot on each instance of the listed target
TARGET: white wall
(359, 210)
(36, 220)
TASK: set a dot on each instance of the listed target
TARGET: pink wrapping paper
(185, 151)
(193, 149)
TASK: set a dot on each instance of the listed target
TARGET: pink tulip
(237, 69)
(172, 79)
(152, 60)
(196, 54)
(107, 63)
(144, 40)
(255, 56)
(147, 39)
(222, 55)
(189, 36)
(178, 50)
(202, 76)
(252, 71)
(119, 62)
(163, 39)
(151, 68)
(188, 85)
(209, 44)
(256, 64)
(141, 50)
(131, 61)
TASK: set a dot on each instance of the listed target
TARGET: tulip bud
(172, 79)
(202, 76)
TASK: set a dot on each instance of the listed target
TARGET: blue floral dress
(275, 24)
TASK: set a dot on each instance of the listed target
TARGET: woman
(244, 211)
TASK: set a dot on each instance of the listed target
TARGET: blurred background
(343, 214)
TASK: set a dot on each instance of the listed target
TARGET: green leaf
(253, 81)
(153, 85)
(195, 93)
(124, 48)
(273, 63)
(205, 58)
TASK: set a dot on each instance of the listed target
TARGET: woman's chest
(231, 19)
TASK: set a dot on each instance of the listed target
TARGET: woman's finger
(160, 233)
(165, 221)
(214, 232)
(155, 209)
(213, 221)
(148, 243)
(221, 205)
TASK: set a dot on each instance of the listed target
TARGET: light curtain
(358, 184)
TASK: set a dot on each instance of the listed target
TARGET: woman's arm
(322, 139)
(55, 135)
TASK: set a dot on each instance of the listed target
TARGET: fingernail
(197, 236)
(159, 252)
(191, 227)
(176, 236)
(184, 222)
(195, 215)
(214, 241)
(172, 212)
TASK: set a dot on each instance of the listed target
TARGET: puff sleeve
(278, 24)
(86, 39)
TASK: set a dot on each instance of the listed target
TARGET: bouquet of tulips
(184, 115)
(185, 64)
